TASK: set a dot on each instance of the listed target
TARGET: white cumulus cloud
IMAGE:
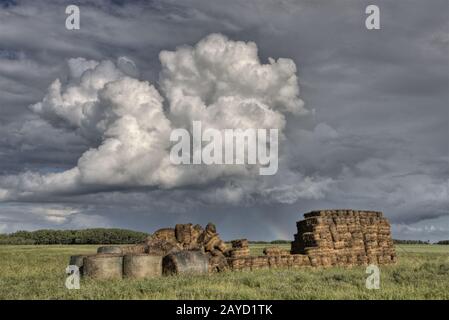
(127, 122)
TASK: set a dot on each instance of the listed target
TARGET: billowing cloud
(220, 82)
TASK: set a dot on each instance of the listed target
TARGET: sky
(86, 115)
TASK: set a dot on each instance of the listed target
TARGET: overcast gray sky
(373, 132)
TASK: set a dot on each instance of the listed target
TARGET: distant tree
(86, 236)
(281, 242)
(397, 241)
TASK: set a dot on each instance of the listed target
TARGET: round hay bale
(78, 260)
(185, 262)
(139, 266)
(103, 266)
(109, 250)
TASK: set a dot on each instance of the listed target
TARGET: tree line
(396, 241)
(114, 236)
(85, 236)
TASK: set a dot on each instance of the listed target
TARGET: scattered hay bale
(183, 233)
(103, 266)
(185, 262)
(110, 250)
(160, 247)
(167, 234)
(217, 263)
(135, 249)
(140, 266)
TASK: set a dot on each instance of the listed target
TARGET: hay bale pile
(184, 249)
(188, 237)
(344, 238)
(324, 238)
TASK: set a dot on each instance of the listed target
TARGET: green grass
(37, 272)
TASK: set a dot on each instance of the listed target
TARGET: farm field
(37, 272)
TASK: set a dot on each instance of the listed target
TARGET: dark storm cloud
(380, 99)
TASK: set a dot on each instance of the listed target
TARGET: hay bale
(239, 243)
(275, 251)
(140, 266)
(167, 234)
(185, 262)
(162, 247)
(135, 249)
(239, 252)
(110, 250)
(103, 266)
(183, 233)
(217, 263)
(237, 263)
(78, 260)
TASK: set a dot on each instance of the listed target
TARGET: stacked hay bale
(240, 248)
(278, 257)
(275, 251)
(260, 262)
(345, 238)
(239, 255)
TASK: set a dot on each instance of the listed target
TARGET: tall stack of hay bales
(344, 238)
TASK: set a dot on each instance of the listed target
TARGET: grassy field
(37, 272)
